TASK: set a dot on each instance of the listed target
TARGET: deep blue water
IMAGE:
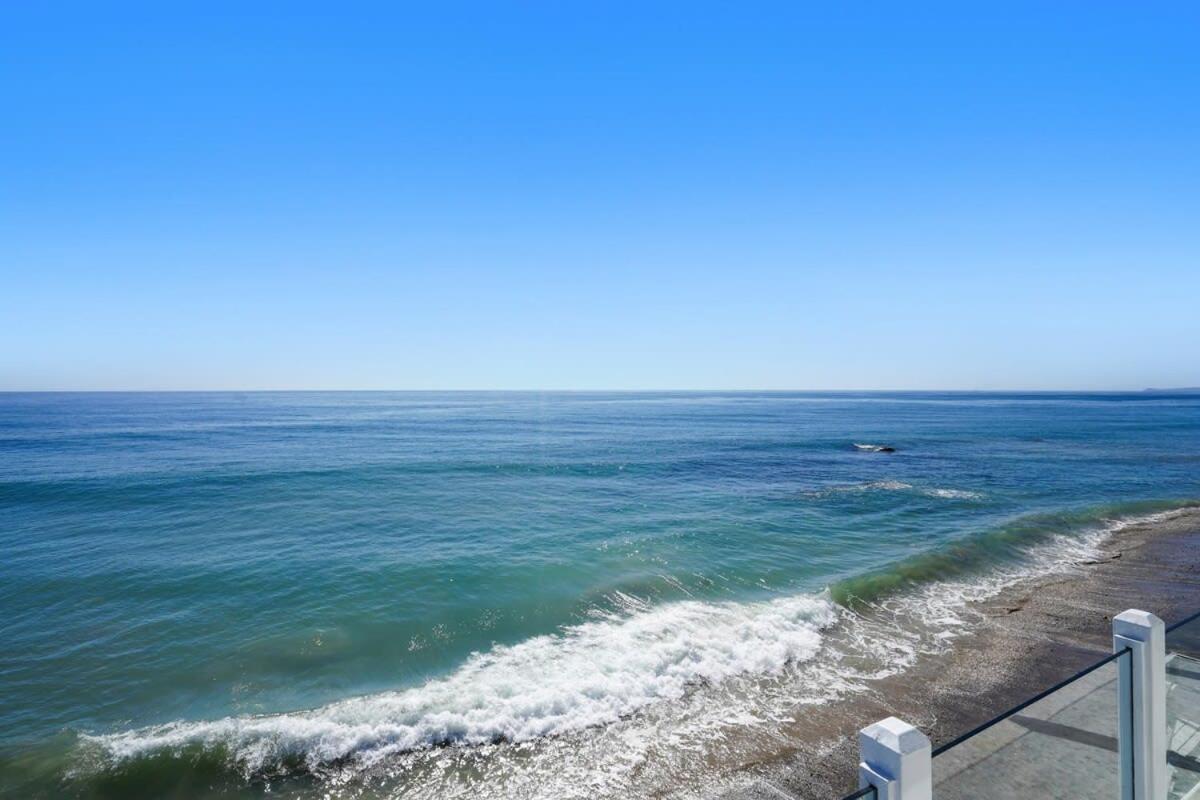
(194, 557)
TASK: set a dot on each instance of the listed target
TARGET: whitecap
(951, 605)
(900, 486)
(686, 673)
(953, 494)
(586, 675)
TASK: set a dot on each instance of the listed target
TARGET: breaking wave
(584, 676)
(898, 486)
(809, 647)
(981, 565)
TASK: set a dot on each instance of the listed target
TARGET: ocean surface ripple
(491, 595)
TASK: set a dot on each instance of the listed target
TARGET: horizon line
(1147, 390)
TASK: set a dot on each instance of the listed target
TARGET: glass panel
(1183, 711)
(1064, 745)
(867, 793)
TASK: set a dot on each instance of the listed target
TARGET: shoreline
(1031, 635)
(1013, 643)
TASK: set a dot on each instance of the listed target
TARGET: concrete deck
(1066, 744)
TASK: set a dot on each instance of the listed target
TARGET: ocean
(514, 595)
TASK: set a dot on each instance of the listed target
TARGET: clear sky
(572, 195)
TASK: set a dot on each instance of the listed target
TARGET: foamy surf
(947, 605)
(900, 486)
(695, 675)
(586, 675)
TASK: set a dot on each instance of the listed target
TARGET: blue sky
(591, 196)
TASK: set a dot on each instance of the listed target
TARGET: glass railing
(1061, 743)
(866, 793)
(1093, 735)
(1183, 710)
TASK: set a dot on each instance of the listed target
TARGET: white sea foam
(953, 494)
(948, 605)
(887, 486)
(586, 675)
(881, 486)
(727, 667)
(901, 486)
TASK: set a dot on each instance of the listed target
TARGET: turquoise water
(221, 594)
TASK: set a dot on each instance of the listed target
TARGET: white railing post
(896, 759)
(1142, 704)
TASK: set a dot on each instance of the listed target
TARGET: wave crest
(586, 675)
(899, 486)
(738, 664)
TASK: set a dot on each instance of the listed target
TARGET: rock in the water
(875, 448)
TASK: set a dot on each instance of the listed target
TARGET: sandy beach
(1032, 635)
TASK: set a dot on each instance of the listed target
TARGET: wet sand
(1033, 635)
